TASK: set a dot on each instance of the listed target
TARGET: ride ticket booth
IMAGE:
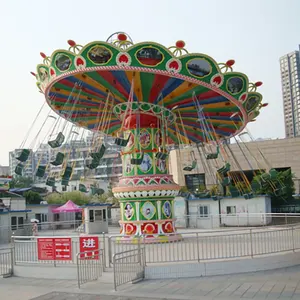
(95, 218)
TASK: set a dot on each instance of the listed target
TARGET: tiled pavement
(275, 284)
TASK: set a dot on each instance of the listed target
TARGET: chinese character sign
(54, 248)
(91, 244)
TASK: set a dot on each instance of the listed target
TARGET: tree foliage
(33, 197)
(75, 196)
(20, 182)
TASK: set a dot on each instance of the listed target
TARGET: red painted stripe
(110, 79)
(157, 86)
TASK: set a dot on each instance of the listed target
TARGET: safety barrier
(6, 262)
(89, 266)
(129, 266)
(219, 245)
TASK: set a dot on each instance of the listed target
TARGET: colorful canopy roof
(78, 82)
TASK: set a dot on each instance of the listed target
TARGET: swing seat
(191, 167)
(67, 173)
(234, 191)
(122, 142)
(212, 156)
(96, 191)
(265, 177)
(248, 196)
(280, 191)
(137, 161)
(161, 155)
(99, 154)
(23, 155)
(273, 174)
(19, 169)
(82, 188)
(50, 181)
(58, 159)
(226, 181)
(65, 182)
(224, 169)
(215, 197)
(94, 164)
(58, 141)
(40, 172)
(203, 195)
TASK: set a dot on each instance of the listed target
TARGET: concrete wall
(185, 270)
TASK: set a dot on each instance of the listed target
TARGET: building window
(203, 211)
(13, 223)
(98, 215)
(20, 222)
(195, 182)
(231, 210)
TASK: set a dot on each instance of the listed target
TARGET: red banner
(54, 248)
(91, 244)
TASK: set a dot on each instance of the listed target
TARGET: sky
(254, 33)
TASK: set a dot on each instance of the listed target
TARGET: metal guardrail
(218, 245)
(6, 262)
(90, 266)
(129, 266)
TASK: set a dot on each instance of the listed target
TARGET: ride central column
(146, 191)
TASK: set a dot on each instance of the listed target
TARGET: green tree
(20, 182)
(280, 188)
(76, 196)
(32, 197)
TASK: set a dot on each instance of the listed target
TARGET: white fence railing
(6, 262)
(90, 266)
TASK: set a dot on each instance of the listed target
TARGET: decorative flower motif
(123, 59)
(217, 80)
(174, 65)
(243, 97)
(52, 72)
(80, 62)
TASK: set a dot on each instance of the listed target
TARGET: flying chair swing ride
(150, 99)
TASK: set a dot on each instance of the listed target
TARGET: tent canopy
(67, 207)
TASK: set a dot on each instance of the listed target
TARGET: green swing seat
(216, 197)
(224, 169)
(94, 164)
(265, 177)
(191, 167)
(67, 173)
(213, 155)
(82, 188)
(122, 142)
(40, 172)
(280, 191)
(96, 191)
(248, 196)
(234, 191)
(58, 141)
(65, 181)
(50, 181)
(23, 155)
(19, 169)
(273, 174)
(161, 155)
(137, 160)
(58, 159)
(226, 181)
(99, 154)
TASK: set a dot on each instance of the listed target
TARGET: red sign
(54, 248)
(63, 248)
(91, 244)
(45, 249)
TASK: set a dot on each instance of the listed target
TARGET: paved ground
(276, 284)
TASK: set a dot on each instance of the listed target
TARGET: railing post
(198, 249)
(78, 270)
(251, 243)
(293, 238)
(110, 258)
(114, 268)
(104, 252)
(12, 261)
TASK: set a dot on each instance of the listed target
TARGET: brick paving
(275, 284)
